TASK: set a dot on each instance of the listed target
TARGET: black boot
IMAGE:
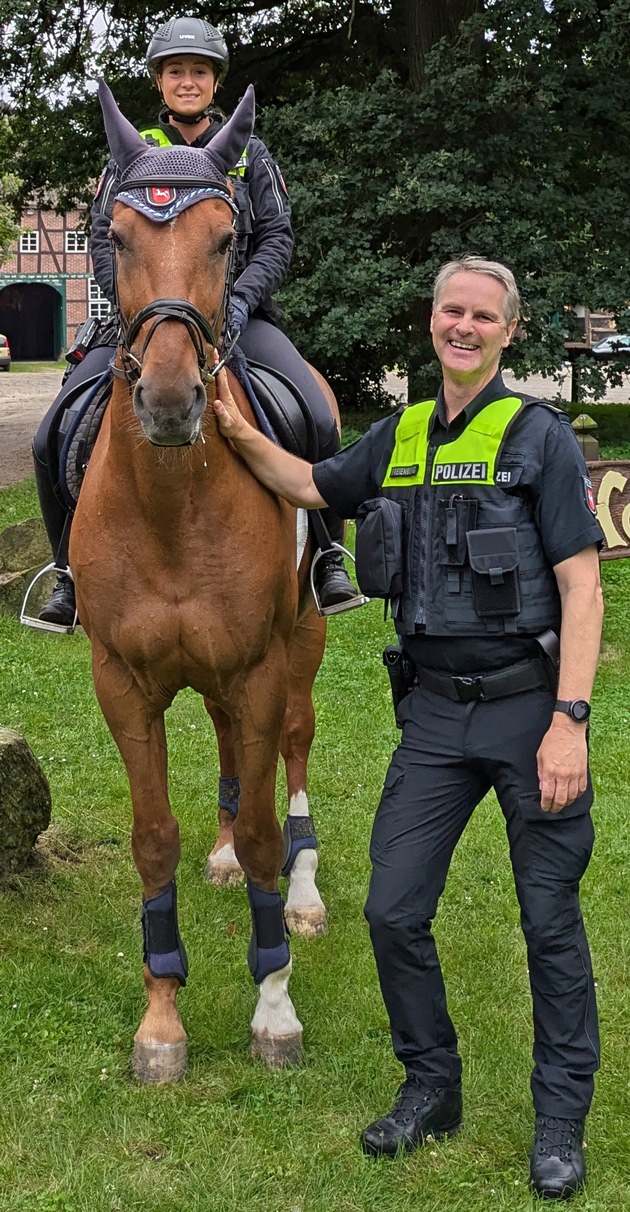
(557, 1165)
(60, 608)
(417, 1113)
(332, 581)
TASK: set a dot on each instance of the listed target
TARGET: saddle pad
(78, 431)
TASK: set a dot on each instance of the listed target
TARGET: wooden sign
(611, 489)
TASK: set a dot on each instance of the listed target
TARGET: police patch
(401, 472)
(459, 472)
(589, 495)
(160, 195)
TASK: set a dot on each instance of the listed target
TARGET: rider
(188, 59)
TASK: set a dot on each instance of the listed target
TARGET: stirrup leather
(30, 620)
(338, 607)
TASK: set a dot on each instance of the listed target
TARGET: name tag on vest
(443, 472)
(401, 472)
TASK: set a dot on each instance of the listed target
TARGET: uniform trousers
(450, 755)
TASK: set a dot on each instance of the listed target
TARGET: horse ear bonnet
(161, 182)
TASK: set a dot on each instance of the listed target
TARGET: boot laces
(409, 1101)
(558, 1136)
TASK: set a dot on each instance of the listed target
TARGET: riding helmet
(190, 35)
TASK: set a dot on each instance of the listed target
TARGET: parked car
(5, 353)
(617, 343)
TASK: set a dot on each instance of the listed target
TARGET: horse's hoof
(309, 923)
(224, 874)
(278, 1051)
(156, 1064)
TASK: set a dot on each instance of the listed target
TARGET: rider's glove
(239, 314)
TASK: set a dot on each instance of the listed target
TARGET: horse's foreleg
(305, 911)
(223, 868)
(276, 1029)
(138, 729)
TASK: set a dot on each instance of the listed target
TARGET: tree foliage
(408, 133)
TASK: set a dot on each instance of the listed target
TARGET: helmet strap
(186, 119)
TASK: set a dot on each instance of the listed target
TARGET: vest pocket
(379, 548)
(494, 563)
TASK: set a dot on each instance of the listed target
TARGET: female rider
(188, 59)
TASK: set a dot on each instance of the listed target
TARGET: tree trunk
(422, 23)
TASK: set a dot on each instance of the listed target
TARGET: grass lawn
(21, 367)
(78, 1135)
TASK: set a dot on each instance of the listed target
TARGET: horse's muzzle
(168, 418)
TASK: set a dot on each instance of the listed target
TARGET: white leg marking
(225, 854)
(275, 1015)
(298, 804)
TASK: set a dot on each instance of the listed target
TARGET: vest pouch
(379, 548)
(494, 561)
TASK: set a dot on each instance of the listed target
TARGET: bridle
(200, 330)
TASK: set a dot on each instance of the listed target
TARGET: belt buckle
(468, 689)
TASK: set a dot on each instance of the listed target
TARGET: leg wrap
(229, 791)
(299, 834)
(268, 949)
(163, 953)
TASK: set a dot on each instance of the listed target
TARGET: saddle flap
(286, 410)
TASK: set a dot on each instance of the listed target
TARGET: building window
(76, 241)
(99, 305)
(29, 242)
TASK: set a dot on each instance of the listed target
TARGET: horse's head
(173, 237)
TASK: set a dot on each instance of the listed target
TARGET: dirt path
(24, 398)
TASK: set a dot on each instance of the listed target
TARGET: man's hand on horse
(231, 422)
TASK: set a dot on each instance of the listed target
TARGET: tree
(409, 133)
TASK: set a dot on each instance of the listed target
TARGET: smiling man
(500, 562)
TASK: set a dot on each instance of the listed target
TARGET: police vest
(473, 560)
(157, 137)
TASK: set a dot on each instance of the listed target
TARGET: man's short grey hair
(479, 265)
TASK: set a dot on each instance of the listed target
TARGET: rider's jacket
(490, 504)
(264, 234)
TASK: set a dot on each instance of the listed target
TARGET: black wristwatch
(578, 709)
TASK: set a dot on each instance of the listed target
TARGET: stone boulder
(24, 801)
(24, 549)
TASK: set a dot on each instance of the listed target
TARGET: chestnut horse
(186, 575)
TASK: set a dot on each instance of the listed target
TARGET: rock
(24, 549)
(24, 801)
(24, 545)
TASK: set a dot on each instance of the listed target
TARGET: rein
(199, 329)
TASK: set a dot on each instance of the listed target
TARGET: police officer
(500, 543)
(188, 59)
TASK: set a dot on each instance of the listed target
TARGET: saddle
(280, 409)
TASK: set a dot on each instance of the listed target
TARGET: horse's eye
(115, 238)
(225, 245)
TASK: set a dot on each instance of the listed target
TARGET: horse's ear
(125, 143)
(227, 147)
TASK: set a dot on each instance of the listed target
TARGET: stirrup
(29, 620)
(338, 607)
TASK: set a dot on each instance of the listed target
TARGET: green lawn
(78, 1135)
(21, 367)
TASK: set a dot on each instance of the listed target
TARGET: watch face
(580, 710)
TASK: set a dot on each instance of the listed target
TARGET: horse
(186, 574)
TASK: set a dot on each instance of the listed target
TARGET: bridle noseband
(200, 330)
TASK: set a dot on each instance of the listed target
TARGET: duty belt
(526, 675)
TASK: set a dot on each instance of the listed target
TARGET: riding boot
(332, 581)
(60, 608)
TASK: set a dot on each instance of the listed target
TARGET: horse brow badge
(160, 195)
